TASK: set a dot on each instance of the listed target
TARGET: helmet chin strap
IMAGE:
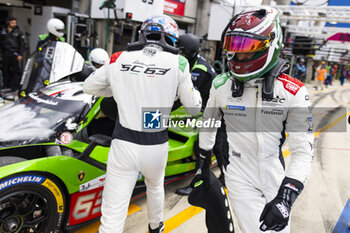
(282, 65)
(237, 88)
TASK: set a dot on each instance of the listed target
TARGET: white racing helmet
(55, 27)
(98, 57)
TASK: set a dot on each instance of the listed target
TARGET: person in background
(149, 74)
(202, 76)
(97, 58)
(55, 29)
(343, 75)
(334, 73)
(300, 70)
(11, 49)
(202, 72)
(321, 75)
(328, 79)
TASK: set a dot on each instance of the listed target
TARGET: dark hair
(9, 19)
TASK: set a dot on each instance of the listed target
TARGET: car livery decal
(56, 89)
(92, 184)
(20, 180)
(66, 138)
(85, 206)
(56, 192)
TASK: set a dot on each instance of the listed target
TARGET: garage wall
(39, 22)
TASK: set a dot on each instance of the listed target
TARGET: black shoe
(160, 229)
(184, 191)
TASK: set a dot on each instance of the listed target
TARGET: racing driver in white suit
(149, 75)
(259, 103)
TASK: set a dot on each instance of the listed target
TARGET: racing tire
(31, 202)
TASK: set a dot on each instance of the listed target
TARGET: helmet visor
(244, 43)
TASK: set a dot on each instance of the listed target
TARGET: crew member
(142, 80)
(12, 48)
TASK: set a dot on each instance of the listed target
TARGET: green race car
(54, 145)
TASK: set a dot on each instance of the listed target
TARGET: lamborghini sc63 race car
(54, 145)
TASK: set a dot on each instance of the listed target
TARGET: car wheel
(31, 202)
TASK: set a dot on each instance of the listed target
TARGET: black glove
(276, 213)
(203, 165)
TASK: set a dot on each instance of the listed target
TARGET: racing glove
(276, 213)
(203, 165)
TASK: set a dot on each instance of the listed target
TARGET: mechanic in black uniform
(12, 49)
(202, 76)
(202, 72)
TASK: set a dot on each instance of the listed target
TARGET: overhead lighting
(9, 4)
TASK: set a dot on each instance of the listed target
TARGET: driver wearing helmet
(259, 103)
(55, 27)
(150, 74)
(98, 57)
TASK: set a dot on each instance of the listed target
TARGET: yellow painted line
(287, 152)
(331, 124)
(133, 208)
(181, 217)
(94, 227)
(91, 228)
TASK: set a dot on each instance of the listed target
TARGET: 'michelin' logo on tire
(20, 180)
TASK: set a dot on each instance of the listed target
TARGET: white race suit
(146, 78)
(256, 132)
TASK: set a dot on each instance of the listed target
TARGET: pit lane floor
(318, 208)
